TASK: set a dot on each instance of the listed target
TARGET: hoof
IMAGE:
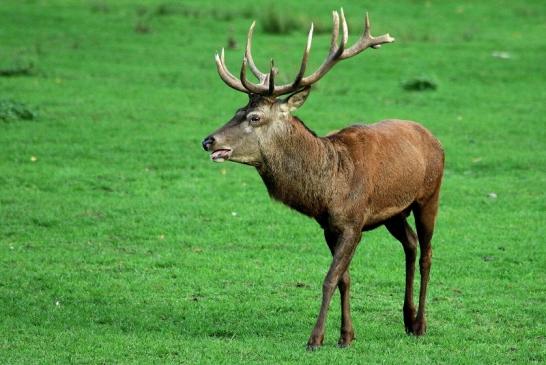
(345, 340)
(419, 328)
(314, 342)
(311, 347)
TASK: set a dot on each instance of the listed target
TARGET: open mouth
(220, 155)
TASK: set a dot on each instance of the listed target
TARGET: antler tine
(366, 41)
(305, 57)
(246, 84)
(345, 35)
(367, 31)
(271, 78)
(335, 31)
(227, 76)
(367, 26)
(248, 54)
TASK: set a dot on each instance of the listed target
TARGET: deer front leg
(347, 332)
(343, 253)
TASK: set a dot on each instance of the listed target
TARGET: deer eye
(254, 118)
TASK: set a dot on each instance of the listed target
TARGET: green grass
(120, 242)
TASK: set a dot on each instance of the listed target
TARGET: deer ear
(295, 100)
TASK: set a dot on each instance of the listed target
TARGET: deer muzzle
(218, 154)
(207, 143)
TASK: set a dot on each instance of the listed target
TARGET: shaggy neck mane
(296, 168)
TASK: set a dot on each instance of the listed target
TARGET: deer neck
(296, 168)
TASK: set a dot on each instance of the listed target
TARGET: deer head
(266, 115)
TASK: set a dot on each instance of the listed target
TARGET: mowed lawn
(120, 242)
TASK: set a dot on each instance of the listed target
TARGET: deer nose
(207, 142)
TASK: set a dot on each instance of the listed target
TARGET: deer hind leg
(425, 217)
(347, 332)
(401, 230)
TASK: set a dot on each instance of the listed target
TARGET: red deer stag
(355, 180)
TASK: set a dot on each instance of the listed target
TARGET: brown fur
(357, 179)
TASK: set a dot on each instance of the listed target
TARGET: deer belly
(384, 209)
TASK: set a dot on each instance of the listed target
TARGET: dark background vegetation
(121, 242)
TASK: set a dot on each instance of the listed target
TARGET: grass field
(120, 242)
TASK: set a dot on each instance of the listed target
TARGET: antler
(338, 52)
